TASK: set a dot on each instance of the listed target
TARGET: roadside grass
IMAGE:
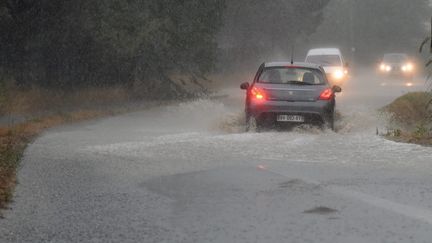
(13, 141)
(410, 119)
(34, 101)
(39, 109)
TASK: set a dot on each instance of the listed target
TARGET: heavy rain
(216, 121)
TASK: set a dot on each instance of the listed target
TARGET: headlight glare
(338, 74)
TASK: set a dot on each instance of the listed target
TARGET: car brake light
(257, 93)
(327, 94)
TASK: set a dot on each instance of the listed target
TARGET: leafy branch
(429, 61)
(428, 65)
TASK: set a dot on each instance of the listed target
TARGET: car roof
(395, 54)
(324, 51)
(295, 64)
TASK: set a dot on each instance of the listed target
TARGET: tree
(429, 58)
(423, 45)
(104, 42)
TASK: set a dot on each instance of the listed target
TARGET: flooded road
(188, 173)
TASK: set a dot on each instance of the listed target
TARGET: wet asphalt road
(186, 173)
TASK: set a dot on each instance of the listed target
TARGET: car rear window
(292, 75)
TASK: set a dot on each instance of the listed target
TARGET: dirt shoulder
(410, 119)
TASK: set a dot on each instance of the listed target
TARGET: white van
(332, 61)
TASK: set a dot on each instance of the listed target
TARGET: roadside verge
(410, 119)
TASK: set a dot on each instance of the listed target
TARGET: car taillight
(327, 94)
(257, 93)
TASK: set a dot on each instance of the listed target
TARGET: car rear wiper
(298, 82)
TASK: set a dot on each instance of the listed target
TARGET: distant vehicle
(397, 64)
(332, 61)
(284, 92)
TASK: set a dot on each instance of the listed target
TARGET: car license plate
(290, 118)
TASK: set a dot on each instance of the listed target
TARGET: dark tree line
(75, 43)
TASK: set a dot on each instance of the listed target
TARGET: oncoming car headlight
(407, 67)
(385, 68)
(338, 74)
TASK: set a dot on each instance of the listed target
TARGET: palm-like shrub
(423, 47)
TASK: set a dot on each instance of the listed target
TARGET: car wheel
(329, 122)
(252, 124)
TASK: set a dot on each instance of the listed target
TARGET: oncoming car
(285, 92)
(397, 64)
(332, 61)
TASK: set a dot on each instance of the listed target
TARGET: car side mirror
(244, 86)
(337, 89)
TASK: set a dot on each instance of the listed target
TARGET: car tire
(252, 124)
(329, 122)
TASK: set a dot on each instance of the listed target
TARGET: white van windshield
(325, 60)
